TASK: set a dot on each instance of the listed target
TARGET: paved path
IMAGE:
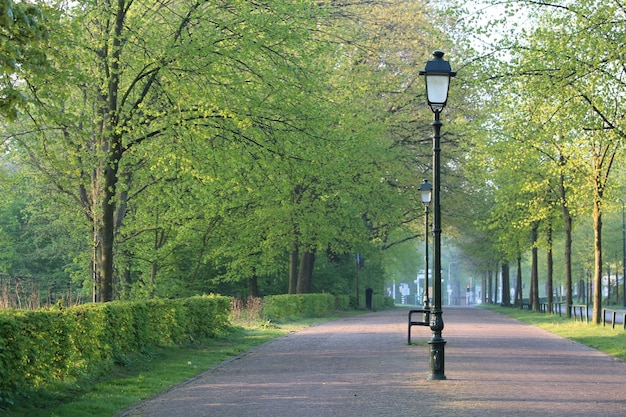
(363, 367)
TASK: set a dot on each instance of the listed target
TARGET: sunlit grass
(604, 338)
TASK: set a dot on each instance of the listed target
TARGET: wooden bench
(580, 308)
(424, 322)
(615, 313)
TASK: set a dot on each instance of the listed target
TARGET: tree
(204, 141)
(572, 95)
(136, 75)
(584, 88)
(23, 35)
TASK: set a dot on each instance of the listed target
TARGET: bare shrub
(246, 311)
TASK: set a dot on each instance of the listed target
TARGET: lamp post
(426, 189)
(437, 74)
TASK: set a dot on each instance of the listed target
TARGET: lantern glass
(437, 89)
(426, 190)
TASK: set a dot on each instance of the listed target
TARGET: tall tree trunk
(534, 276)
(107, 233)
(294, 250)
(550, 267)
(483, 296)
(506, 285)
(567, 247)
(253, 285)
(616, 287)
(567, 252)
(154, 269)
(597, 246)
(490, 286)
(95, 269)
(518, 285)
(293, 269)
(113, 147)
(305, 276)
(608, 284)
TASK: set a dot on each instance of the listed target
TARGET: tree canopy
(195, 144)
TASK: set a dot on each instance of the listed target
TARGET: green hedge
(343, 302)
(287, 306)
(381, 301)
(40, 347)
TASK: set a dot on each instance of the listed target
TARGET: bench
(614, 312)
(580, 307)
(424, 322)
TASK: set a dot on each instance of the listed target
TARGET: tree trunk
(154, 269)
(567, 249)
(293, 270)
(294, 251)
(518, 285)
(550, 268)
(616, 287)
(483, 296)
(506, 285)
(608, 284)
(597, 279)
(253, 286)
(534, 276)
(567, 252)
(95, 270)
(306, 272)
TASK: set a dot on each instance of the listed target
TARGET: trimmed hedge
(382, 301)
(287, 306)
(41, 347)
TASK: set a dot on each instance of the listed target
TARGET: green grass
(606, 339)
(146, 375)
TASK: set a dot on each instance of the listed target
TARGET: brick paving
(362, 366)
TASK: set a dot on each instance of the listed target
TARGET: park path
(362, 366)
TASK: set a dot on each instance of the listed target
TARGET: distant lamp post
(426, 190)
(437, 74)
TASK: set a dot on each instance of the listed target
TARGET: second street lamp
(437, 74)
(426, 189)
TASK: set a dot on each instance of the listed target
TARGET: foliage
(23, 36)
(291, 306)
(222, 142)
(40, 249)
(38, 348)
(551, 130)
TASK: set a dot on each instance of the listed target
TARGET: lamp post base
(437, 362)
(437, 344)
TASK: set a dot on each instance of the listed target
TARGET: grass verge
(605, 339)
(144, 376)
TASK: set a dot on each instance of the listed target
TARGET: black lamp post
(437, 73)
(426, 189)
